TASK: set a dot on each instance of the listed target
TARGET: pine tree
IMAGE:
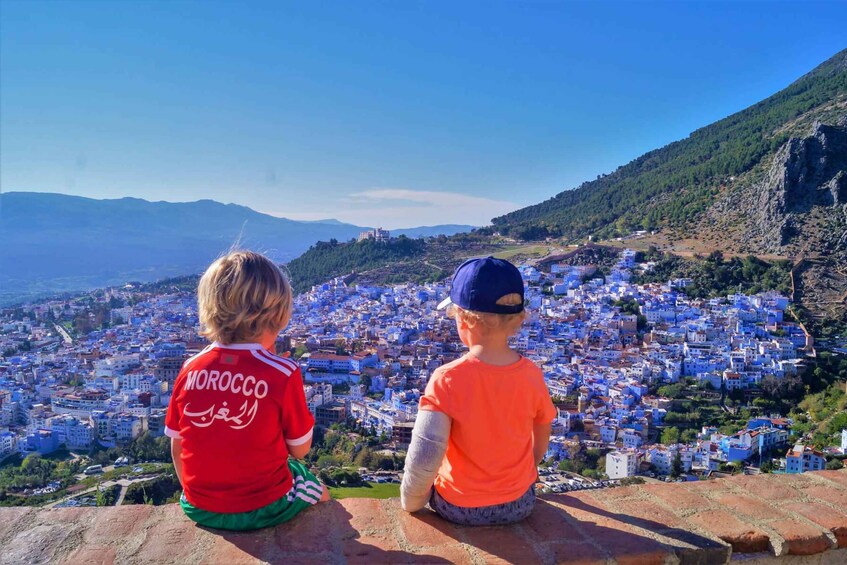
(676, 465)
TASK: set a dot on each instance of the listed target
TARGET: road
(124, 484)
(106, 469)
(63, 332)
(723, 405)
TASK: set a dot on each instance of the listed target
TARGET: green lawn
(373, 490)
(115, 474)
(528, 250)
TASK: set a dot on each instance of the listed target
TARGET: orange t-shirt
(489, 457)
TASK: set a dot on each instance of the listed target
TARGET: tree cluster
(715, 276)
(587, 462)
(145, 447)
(326, 260)
(161, 490)
(35, 471)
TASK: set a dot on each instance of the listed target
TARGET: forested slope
(674, 184)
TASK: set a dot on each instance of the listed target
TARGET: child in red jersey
(238, 411)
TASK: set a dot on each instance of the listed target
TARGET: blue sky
(379, 113)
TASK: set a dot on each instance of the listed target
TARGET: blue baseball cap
(479, 283)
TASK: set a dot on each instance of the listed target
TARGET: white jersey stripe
(193, 357)
(300, 440)
(312, 486)
(313, 491)
(287, 372)
(239, 346)
(305, 498)
(281, 360)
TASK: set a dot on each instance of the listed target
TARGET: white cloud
(394, 208)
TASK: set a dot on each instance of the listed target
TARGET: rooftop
(758, 519)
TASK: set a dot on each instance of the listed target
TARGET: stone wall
(788, 519)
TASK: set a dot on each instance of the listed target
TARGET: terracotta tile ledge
(790, 519)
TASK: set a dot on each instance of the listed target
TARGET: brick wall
(789, 519)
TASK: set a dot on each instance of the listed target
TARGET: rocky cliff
(796, 207)
(806, 173)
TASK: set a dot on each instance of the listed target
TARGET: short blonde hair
(487, 321)
(242, 295)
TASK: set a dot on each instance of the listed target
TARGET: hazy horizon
(167, 201)
(403, 115)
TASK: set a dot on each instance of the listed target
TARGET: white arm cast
(429, 442)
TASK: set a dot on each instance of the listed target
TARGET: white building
(127, 427)
(120, 315)
(621, 464)
(631, 439)
(72, 432)
(318, 395)
(329, 363)
(8, 442)
(377, 234)
(131, 381)
(115, 365)
(662, 458)
(563, 420)
(79, 404)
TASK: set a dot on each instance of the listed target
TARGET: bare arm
(540, 440)
(176, 455)
(429, 442)
(300, 451)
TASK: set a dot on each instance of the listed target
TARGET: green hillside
(673, 185)
(400, 260)
(326, 260)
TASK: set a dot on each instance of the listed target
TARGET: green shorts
(306, 491)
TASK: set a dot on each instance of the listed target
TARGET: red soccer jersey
(237, 408)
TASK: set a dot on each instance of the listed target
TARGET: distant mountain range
(54, 243)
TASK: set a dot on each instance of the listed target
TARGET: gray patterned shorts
(506, 513)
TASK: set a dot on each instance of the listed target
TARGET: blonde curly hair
(241, 296)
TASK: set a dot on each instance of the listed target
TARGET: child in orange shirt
(484, 421)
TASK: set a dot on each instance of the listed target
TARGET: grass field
(523, 250)
(373, 490)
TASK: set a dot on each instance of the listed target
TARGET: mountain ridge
(672, 184)
(435, 229)
(56, 242)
